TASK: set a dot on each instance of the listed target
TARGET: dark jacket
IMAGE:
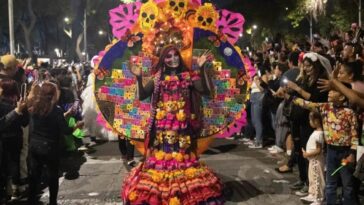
(11, 123)
(47, 131)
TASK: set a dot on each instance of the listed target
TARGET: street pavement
(248, 175)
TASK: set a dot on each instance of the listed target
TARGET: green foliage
(297, 14)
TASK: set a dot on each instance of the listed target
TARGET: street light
(101, 32)
(255, 27)
(66, 19)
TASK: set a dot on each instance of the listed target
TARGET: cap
(9, 61)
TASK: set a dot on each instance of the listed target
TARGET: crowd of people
(312, 94)
(42, 122)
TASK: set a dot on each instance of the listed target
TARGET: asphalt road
(248, 174)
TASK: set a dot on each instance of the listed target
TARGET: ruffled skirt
(172, 180)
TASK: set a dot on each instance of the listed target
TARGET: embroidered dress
(171, 173)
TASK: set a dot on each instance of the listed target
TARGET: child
(316, 164)
(340, 132)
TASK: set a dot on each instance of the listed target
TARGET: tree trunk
(28, 29)
(78, 49)
(78, 8)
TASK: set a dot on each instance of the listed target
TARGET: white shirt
(316, 137)
(254, 88)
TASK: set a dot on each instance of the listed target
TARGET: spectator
(48, 127)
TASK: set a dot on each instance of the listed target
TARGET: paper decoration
(123, 18)
(231, 24)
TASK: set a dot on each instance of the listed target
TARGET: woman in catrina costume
(171, 172)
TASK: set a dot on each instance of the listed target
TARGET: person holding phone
(11, 135)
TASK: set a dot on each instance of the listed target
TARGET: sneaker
(272, 148)
(276, 150)
(230, 138)
(297, 186)
(309, 198)
(250, 142)
(256, 146)
(244, 139)
(82, 148)
(303, 191)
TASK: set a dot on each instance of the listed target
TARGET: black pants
(11, 149)
(300, 131)
(37, 162)
(126, 149)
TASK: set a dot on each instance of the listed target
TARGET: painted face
(172, 59)
(344, 76)
(308, 68)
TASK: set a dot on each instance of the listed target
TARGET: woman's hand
(20, 106)
(79, 124)
(325, 85)
(203, 58)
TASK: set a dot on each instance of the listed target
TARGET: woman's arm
(203, 84)
(353, 96)
(304, 103)
(306, 95)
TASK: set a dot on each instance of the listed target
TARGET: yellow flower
(132, 196)
(190, 172)
(174, 201)
(156, 177)
(179, 157)
(159, 155)
(167, 78)
(168, 156)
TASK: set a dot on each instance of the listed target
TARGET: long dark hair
(319, 72)
(163, 55)
(43, 102)
(10, 90)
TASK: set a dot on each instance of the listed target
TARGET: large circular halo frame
(141, 30)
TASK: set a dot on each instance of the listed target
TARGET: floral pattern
(339, 123)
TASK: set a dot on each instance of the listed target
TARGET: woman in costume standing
(171, 173)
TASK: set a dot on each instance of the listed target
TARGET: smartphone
(259, 73)
(75, 105)
(23, 91)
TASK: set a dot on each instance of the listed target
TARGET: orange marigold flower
(179, 157)
(168, 156)
(174, 201)
(132, 196)
(156, 177)
(159, 155)
(190, 172)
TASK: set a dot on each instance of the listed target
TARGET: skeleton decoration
(171, 136)
(206, 17)
(184, 141)
(148, 15)
(178, 7)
